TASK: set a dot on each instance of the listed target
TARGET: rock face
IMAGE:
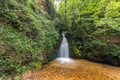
(113, 40)
(46, 5)
(42, 5)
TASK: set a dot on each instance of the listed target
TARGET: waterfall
(64, 50)
(56, 4)
(64, 47)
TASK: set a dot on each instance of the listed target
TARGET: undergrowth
(26, 34)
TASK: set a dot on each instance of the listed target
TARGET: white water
(64, 47)
(64, 51)
(56, 4)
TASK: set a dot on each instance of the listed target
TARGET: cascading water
(56, 4)
(64, 47)
(64, 51)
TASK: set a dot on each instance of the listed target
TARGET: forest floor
(79, 70)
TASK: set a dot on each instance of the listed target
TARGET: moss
(77, 52)
(17, 77)
(36, 65)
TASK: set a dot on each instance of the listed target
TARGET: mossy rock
(17, 77)
(1, 78)
(36, 65)
(2, 51)
(77, 52)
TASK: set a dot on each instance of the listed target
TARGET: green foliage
(92, 24)
(113, 50)
(26, 34)
(77, 51)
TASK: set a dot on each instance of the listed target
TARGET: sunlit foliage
(94, 26)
